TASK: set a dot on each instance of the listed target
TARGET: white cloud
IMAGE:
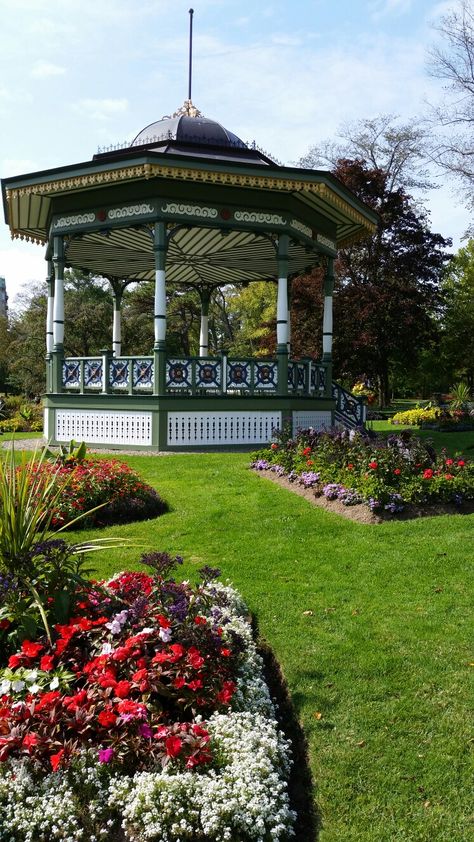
(43, 69)
(100, 109)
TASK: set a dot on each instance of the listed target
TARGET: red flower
(195, 685)
(397, 471)
(274, 446)
(461, 463)
(350, 466)
(107, 718)
(14, 661)
(373, 465)
(449, 461)
(163, 621)
(195, 658)
(427, 474)
(161, 732)
(30, 740)
(47, 662)
(55, 759)
(226, 652)
(47, 699)
(179, 682)
(173, 746)
(31, 650)
(228, 690)
(200, 621)
(448, 476)
(306, 451)
(309, 463)
(122, 689)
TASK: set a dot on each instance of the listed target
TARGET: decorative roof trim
(147, 171)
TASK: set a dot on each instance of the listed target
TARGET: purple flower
(309, 478)
(331, 490)
(105, 755)
(145, 730)
(260, 465)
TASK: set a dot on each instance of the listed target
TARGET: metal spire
(190, 76)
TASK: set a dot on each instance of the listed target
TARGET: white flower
(31, 676)
(5, 686)
(35, 688)
(107, 649)
(18, 685)
(165, 635)
(54, 684)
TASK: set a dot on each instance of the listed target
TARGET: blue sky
(78, 75)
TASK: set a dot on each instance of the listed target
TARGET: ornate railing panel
(306, 377)
(192, 375)
(350, 410)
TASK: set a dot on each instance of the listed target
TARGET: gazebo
(186, 202)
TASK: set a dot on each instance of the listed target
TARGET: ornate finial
(188, 109)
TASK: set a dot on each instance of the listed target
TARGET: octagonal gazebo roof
(223, 200)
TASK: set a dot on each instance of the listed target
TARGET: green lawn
(384, 656)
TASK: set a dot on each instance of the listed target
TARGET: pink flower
(105, 755)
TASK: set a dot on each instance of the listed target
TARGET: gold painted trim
(262, 182)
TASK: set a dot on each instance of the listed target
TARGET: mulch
(361, 513)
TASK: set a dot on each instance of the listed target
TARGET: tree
(453, 64)
(400, 150)
(458, 332)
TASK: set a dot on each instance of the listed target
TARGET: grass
(372, 628)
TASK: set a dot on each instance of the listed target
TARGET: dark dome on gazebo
(188, 132)
(198, 130)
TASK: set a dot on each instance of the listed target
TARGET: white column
(160, 285)
(282, 312)
(58, 306)
(50, 305)
(327, 314)
(204, 332)
(117, 328)
(204, 336)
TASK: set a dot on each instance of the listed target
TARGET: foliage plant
(39, 573)
(147, 705)
(383, 473)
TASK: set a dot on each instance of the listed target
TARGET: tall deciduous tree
(458, 334)
(453, 63)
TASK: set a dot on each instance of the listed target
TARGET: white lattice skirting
(221, 428)
(98, 427)
(316, 420)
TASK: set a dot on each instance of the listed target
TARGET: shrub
(417, 416)
(108, 484)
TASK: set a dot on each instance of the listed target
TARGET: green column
(327, 323)
(282, 314)
(57, 353)
(159, 349)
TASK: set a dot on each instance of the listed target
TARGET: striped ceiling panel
(195, 255)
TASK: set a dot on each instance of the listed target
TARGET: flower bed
(94, 482)
(145, 718)
(382, 473)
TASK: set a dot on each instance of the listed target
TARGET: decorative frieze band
(325, 241)
(130, 210)
(190, 210)
(77, 219)
(303, 229)
(255, 216)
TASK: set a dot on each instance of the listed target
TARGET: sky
(76, 75)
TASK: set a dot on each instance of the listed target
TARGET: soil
(361, 513)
